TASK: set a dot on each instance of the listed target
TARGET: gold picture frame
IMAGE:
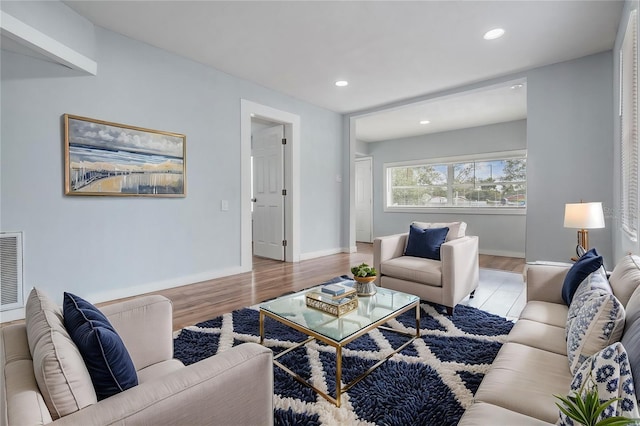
(104, 158)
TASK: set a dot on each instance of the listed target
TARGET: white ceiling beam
(45, 45)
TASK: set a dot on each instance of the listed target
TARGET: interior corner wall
(107, 247)
(501, 235)
(570, 153)
(622, 244)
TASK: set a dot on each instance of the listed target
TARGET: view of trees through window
(486, 183)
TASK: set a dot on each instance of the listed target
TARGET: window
(496, 181)
(629, 130)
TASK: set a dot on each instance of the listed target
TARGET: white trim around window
(447, 184)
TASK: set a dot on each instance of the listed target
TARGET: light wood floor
(202, 301)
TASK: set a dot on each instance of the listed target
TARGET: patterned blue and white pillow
(609, 372)
(595, 281)
(598, 323)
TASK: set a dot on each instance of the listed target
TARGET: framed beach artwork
(103, 158)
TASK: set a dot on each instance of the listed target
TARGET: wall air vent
(11, 293)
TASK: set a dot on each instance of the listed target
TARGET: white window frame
(629, 145)
(503, 155)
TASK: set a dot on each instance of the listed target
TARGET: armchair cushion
(456, 229)
(103, 351)
(588, 263)
(416, 269)
(425, 242)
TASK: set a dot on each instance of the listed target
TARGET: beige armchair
(446, 281)
(233, 387)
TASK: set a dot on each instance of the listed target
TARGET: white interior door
(364, 198)
(268, 199)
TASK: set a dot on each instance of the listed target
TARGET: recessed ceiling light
(425, 122)
(342, 83)
(517, 86)
(494, 34)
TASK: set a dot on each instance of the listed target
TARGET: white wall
(499, 234)
(570, 152)
(622, 244)
(108, 247)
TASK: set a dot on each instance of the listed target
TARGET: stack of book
(334, 299)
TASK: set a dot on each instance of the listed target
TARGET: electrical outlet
(224, 205)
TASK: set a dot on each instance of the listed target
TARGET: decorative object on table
(460, 352)
(103, 158)
(338, 291)
(583, 216)
(331, 305)
(365, 275)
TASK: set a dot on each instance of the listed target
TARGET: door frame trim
(249, 109)
(369, 159)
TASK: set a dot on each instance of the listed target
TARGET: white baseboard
(164, 284)
(504, 253)
(120, 293)
(321, 253)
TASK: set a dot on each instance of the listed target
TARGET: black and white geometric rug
(431, 382)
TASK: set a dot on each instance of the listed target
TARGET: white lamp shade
(583, 215)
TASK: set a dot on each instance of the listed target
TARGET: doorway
(268, 190)
(291, 124)
(364, 199)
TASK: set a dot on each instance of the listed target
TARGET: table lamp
(583, 216)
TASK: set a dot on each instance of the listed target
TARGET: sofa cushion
(524, 379)
(598, 323)
(425, 242)
(159, 369)
(588, 263)
(595, 281)
(539, 335)
(631, 342)
(456, 229)
(104, 353)
(58, 366)
(483, 414)
(545, 312)
(625, 278)
(632, 310)
(417, 269)
(608, 372)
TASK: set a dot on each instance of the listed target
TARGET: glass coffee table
(372, 312)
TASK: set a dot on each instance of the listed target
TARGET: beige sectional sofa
(533, 364)
(234, 387)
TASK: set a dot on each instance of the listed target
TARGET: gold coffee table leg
(261, 328)
(338, 374)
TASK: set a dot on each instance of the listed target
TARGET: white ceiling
(490, 105)
(387, 50)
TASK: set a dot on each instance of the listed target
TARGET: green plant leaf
(618, 421)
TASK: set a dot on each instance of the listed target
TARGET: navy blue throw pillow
(103, 351)
(587, 264)
(425, 242)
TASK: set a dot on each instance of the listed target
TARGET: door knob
(253, 200)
